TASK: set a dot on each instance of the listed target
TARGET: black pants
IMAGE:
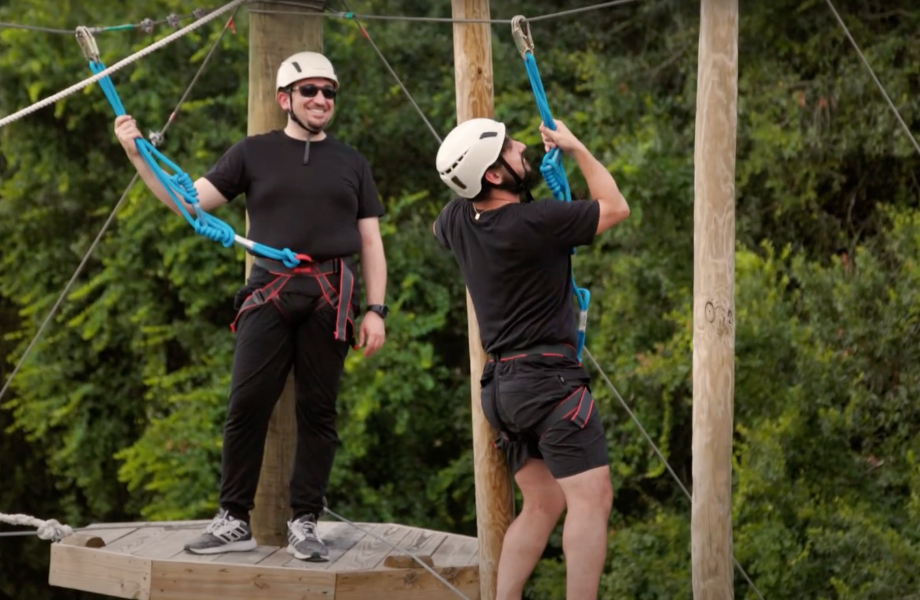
(294, 329)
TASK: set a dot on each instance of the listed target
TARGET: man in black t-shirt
(308, 192)
(515, 258)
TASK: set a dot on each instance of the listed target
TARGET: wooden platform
(145, 561)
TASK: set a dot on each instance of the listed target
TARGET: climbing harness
(577, 406)
(178, 184)
(551, 167)
(338, 297)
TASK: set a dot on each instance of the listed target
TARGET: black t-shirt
(516, 262)
(311, 209)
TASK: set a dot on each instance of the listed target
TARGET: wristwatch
(380, 309)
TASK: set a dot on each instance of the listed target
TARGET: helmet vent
(456, 163)
(488, 134)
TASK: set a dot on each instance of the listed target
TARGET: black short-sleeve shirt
(312, 209)
(516, 262)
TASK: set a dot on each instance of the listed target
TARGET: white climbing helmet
(467, 152)
(302, 66)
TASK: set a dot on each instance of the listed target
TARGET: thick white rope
(47, 530)
(121, 64)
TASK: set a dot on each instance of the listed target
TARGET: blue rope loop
(554, 174)
(180, 184)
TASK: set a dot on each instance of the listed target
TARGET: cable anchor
(520, 30)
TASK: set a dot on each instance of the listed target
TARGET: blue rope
(554, 175)
(180, 184)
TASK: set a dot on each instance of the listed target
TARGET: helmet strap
(520, 188)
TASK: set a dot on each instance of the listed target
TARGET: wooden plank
(170, 545)
(420, 542)
(278, 558)
(176, 580)
(456, 551)
(253, 557)
(100, 572)
(370, 552)
(136, 539)
(110, 532)
(110, 535)
(83, 540)
(469, 549)
(407, 584)
(405, 561)
(141, 524)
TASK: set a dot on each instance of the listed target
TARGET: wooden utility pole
(473, 76)
(272, 38)
(714, 300)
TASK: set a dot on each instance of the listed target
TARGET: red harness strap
(339, 297)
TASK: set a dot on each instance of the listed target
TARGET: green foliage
(117, 414)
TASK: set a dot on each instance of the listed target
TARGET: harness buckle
(520, 30)
(87, 44)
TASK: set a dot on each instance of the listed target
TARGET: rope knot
(289, 259)
(214, 230)
(47, 530)
(53, 530)
(185, 182)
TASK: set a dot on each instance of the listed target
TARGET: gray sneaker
(223, 534)
(303, 541)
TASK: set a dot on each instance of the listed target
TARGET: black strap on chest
(337, 296)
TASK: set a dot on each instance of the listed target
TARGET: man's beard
(528, 182)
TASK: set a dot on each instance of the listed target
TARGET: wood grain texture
(713, 301)
(272, 38)
(149, 564)
(99, 571)
(406, 584)
(475, 98)
(175, 580)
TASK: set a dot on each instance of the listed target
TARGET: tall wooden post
(713, 300)
(473, 75)
(272, 38)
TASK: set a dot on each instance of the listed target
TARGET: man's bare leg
(589, 497)
(526, 538)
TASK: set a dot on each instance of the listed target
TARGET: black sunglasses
(310, 90)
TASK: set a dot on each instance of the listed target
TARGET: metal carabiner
(520, 29)
(87, 43)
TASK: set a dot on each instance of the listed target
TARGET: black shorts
(543, 408)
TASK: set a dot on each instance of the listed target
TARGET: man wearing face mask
(515, 258)
(309, 192)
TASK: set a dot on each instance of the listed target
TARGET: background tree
(117, 413)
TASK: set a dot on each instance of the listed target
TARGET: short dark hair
(485, 186)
